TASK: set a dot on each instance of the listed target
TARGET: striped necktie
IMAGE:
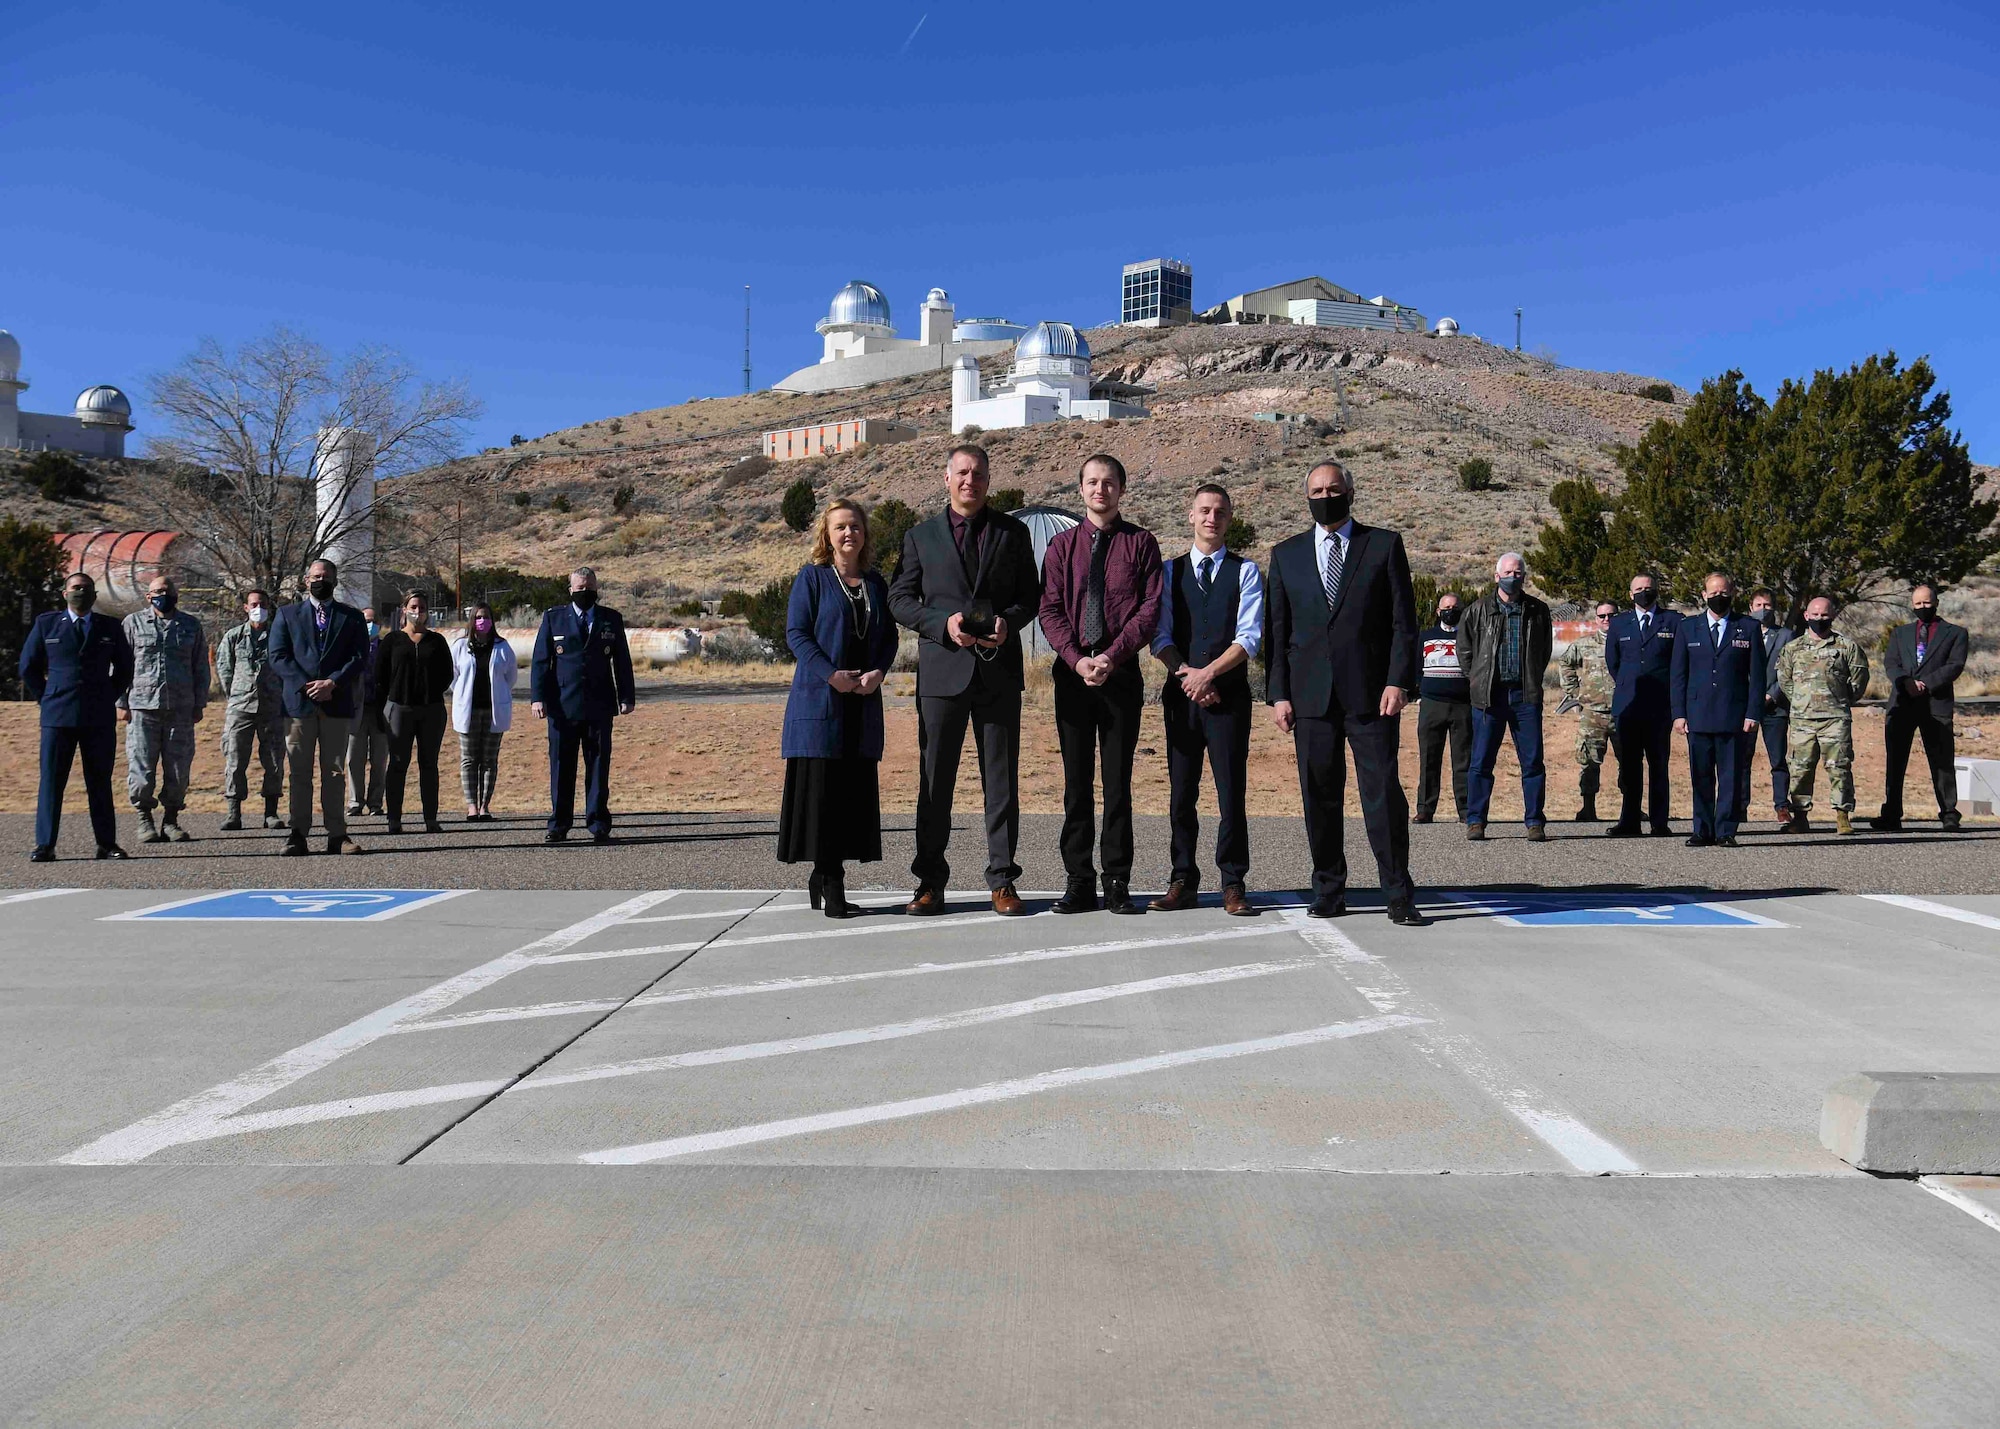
(1336, 565)
(1205, 573)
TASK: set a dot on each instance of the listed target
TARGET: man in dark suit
(1774, 719)
(317, 647)
(1924, 658)
(1718, 694)
(580, 679)
(965, 566)
(76, 665)
(1639, 653)
(1342, 659)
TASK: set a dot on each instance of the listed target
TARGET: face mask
(1448, 618)
(583, 599)
(416, 619)
(258, 615)
(1510, 584)
(1924, 612)
(1719, 604)
(80, 600)
(1330, 510)
(1643, 599)
(373, 629)
(321, 590)
(164, 604)
(483, 626)
(1821, 628)
(1766, 616)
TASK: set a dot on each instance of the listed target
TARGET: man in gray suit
(967, 584)
(1924, 658)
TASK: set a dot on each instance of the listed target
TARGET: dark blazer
(816, 627)
(412, 672)
(576, 679)
(1642, 670)
(1776, 638)
(76, 682)
(1351, 654)
(297, 657)
(1944, 659)
(1715, 691)
(931, 587)
(1479, 646)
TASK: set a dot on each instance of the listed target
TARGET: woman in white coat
(482, 708)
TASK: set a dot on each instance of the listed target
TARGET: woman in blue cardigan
(841, 633)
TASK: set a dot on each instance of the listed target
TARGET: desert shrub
(1240, 536)
(688, 609)
(622, 498)
(973, 431)
(1429, 589)
(1657, 391)
(56, 476)
(32, 571)
(736, 647)
(1007, 498)
(747, 469)
(888, 523)
(797, 505)
(505, 588)
(766, 615)
(734, 604)
(1475, 474)
(522, 498)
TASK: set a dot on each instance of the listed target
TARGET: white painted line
(900, 925)
(1942, 910)
(788, 984)
(982, 1095)
(742, 1051)
(711, 913)
(1385, 991)
(216, 895)
(1984, 1214)
(192, 1118)
(35, 893)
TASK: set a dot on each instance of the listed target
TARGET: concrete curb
(1915, 1123)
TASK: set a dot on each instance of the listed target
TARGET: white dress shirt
(1249, 601)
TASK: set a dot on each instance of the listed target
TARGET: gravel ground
(691, 850)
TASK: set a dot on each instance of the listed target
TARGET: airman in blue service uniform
(1718, 697)
(581, 677)
(1639, 655)
(76, 665)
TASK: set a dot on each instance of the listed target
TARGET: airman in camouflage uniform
(1587, 681)
(1822, 674)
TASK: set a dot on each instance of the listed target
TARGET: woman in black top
(413, 673)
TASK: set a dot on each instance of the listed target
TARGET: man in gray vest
(1211, 623)
(255, 713)
(160, 710)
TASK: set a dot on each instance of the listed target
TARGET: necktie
(1336, 565)
(1093, 593)
(1645, 624)
(1715, 634)
(1205, 573)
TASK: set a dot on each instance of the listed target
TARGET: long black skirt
(832, 812)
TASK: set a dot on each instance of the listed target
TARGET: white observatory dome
(937, 298)
(10, 356)
(103, 406)
(1051, 340)
(858, 304)
(1447, 327)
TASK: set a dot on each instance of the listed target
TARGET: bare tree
(245, 432)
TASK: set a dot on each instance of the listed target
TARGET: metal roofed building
(95, 426)
(1314, 302)
(1156, 293)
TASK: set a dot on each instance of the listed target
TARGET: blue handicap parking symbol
(293, 905)
(1557, 909)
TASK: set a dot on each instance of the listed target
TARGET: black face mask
(321, 590)
(1330, 510)
(583, 599)
(1766, 617)
(80, 600)
(1924, 612)
(1448, 618)
(1718, 604)
(163, 603)
(1643, 599)
(1821, 628)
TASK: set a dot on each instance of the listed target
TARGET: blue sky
(561, 205)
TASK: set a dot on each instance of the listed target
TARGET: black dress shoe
(601, 837)
(1624, 831)
(1885, 825)
(555, 836)
(111, 851)
(1727, 841)
(295, 845)
(43, 854)
(1404, 912)
(1077, 898)
(1699, 841)
(1118, 897)
(1662, 831)
(1420, 818)
(1333, 907)
(432, 826)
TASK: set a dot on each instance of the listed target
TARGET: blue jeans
(1522, 715)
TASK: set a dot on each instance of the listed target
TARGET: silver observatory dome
(858, 304)
(104, 405)
(1051, 340)
(10, 356)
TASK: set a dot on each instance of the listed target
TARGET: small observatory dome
(1051, 340)
(103, 406)
(10, 356)
(1447, 327)
(858, 304)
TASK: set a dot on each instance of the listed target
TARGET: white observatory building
(1050, 381)
(860, 345)
(96, 426)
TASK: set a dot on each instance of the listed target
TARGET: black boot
(833, 888)
(1118, 897)
(1079, 897)
(813, 889)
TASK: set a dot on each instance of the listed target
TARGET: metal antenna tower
(746, 339)
(1517, 330)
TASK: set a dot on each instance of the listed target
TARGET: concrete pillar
(344, 488)
(964, 390)
(938, 318)
(10, 414)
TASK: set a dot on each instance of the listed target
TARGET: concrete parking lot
(311, 1155)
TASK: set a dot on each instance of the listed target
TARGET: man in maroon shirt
(1100, 608)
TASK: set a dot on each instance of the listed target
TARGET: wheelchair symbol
(323, 902)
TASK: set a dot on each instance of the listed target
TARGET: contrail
(913, 33)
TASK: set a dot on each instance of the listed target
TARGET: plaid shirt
(1508, 657)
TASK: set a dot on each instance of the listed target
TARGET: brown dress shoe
(1180, 895)
(927, 902)
(1006, 902)
(1236, 902)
